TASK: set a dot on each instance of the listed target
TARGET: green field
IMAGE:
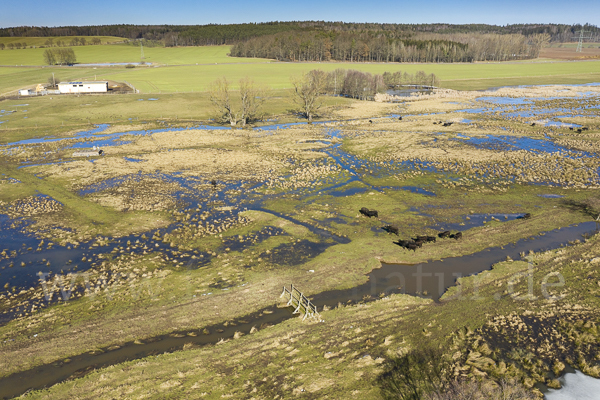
(277, 75)
(125, 53)
(178, 71)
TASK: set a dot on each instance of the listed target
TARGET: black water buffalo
(369, 213)
(399, 118)
(444, 234)
(457, 235)
(412, 246)
(431, 238)
(391, 229)
(525, 216)
(100, 152)
(407, 244)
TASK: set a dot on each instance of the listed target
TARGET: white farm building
(83, 87)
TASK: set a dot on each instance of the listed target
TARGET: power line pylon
(580, 43)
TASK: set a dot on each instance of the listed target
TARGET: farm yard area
(144, 246)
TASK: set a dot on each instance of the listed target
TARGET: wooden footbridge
(300, 303)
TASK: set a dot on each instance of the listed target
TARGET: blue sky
(188, 12)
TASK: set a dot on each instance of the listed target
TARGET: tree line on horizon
(214, 34)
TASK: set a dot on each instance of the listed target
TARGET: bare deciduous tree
(308, 90)
(252, 97)
(244, 111)
(49, 57)
(218, 92)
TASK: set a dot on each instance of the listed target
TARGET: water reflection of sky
(576, 386)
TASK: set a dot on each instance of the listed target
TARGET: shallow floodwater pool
(576, 386)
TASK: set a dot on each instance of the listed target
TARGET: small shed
(25, 92)
(83, 87)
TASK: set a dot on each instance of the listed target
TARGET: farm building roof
(82, 82)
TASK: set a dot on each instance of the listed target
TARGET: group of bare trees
(242, 109)
(241, 105)
(369, 47)
(60, 56)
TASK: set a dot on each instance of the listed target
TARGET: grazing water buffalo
(369, 213)
(431, 238)
(448, 123)
(412, 246)
(408, 244)
(444, 234)
(391, 229)
(525, 216)
(457, 235)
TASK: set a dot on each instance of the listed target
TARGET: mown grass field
(178, 71)
(277, 75)
(126, 53)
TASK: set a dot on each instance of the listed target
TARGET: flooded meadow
(119, 244)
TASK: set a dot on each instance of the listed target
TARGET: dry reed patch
(365, 109)
(32, 205)
(134, 194)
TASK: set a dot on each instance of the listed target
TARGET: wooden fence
(300, 303)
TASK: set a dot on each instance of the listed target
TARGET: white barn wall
(83, 87)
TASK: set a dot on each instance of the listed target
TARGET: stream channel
(433, 277)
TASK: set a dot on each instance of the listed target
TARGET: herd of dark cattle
(413, 243)
(418, 241)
